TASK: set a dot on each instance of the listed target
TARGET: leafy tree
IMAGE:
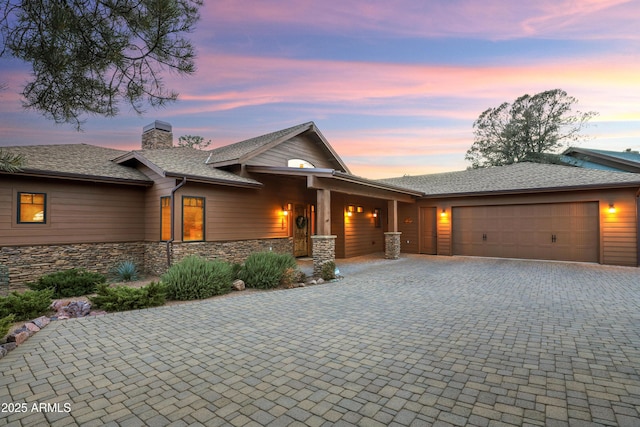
(526, 130)
(88, 55)
(193, 141)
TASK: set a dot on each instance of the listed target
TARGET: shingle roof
(513, 178)
(242, 148)
(182, 161)
(81, 160)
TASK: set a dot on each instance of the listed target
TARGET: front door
(300, 231)
(428, 233)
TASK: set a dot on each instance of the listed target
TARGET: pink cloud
(492, 19)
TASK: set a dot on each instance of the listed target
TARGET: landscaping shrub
(27, 305)
(5, 324)
(196, 278)
(122, 298)
(126, 271)
(69, 283)
(264, 270)
(328, 270)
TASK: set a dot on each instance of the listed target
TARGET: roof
(185, 162)
(627, 161)
(519, 177)
(240, 152)
(80, 161)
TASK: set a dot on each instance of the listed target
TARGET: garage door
(558, 231)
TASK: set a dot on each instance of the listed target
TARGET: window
(165, 218)
(299, 163)
(32, 208)
(192, 218)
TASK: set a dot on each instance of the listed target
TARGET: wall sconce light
(359, 209)
(286, 208)
(350, 210)
(443, 213)
(612, 208)
(375, 213)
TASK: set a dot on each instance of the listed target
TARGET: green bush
(69, 283)
(122, 298)
(196, 278)
(27, 305)
(126, 271)
(328, 270)
(5, 324)
(265, 270)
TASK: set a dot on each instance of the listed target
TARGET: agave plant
(126, 271)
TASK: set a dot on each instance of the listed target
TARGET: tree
(11, 162)
(193, 141)
(88, 55)
(530, 129)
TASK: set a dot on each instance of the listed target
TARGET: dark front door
(300, 231)
(428, 233)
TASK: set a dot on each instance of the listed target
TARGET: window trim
(204, 218)
(162, 198)
(44, 208)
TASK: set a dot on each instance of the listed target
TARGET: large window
(165, 218)
(32, 208)
(192, 218)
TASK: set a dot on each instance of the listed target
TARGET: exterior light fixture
(375, 213)
(612, 208)
(350, 210)
(286, 208)
(443, 213)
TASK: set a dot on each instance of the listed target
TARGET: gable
(277, 148)
(300, 147)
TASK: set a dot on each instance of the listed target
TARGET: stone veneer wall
(392, 245)
(324, 250)
(233, 251)
(27, 263)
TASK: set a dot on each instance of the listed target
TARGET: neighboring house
(289, 191)
(525, 210)
(621, 161)
(80, 205)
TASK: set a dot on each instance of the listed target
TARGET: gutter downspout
(170, 241)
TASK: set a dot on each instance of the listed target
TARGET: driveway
(417, 341)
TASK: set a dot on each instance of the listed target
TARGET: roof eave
(209, 180)
(534, 190)
(81, 177)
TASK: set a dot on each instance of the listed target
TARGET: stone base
(323, 250)
(392, 244)
(27, 263)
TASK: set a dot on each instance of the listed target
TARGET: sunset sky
(394, 86)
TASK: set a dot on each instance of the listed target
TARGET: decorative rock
(7, 347)
(301, 285)
(320, 281)
(238, 285)
(32, 327)
(41, 322)
(18, 337)
(313, 282)
(3, 352)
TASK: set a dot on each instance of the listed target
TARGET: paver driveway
(417, 341)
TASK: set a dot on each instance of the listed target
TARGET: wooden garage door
(558, 231)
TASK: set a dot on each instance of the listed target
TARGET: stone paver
(416, 341)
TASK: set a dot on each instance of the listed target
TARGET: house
(524, 210)
(85, 206)
(621, 161)
(80, 205)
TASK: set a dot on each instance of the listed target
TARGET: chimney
(157, 135)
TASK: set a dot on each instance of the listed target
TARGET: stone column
(323, 250)
(392, 244)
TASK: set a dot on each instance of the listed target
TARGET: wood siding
(77, 212)
(300, 147)
(618, 235)
(161, 188)
(361, 236)
(240, 214)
